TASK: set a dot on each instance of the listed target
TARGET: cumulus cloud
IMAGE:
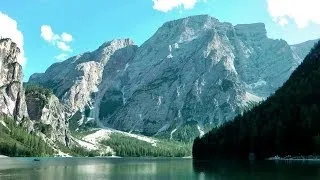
(66, 37)
(9, 29)
(61, 57)
(60, 41)
(47, 34)
(303, 12)
(168, 5)
(63, 46)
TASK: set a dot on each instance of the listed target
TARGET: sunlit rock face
(199, 69)
(195, 69)
(48, 116)
(76, 79)
(12, 98)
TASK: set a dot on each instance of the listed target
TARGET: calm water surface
(133, 168)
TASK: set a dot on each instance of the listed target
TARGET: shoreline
(294, 158)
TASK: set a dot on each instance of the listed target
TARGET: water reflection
(266, 170)
(153, 169)
(95, 168)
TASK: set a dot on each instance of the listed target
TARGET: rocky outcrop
(75, 80)
(198, 69)
(302, 49)
(12, 98)
(45, 111)
(195, 69)
(48, 114)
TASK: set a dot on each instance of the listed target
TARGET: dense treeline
(125, 146)
(287, 123)
(33, 90)
(77, 151)
(17, 141)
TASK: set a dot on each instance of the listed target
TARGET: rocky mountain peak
(12, 99)
(9, 48)
(117, 43)
(255, 30)
(194, 70)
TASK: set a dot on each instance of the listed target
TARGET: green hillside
(15, 140)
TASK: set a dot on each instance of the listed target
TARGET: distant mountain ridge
(194, 70)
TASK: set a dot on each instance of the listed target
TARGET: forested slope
(287, 123)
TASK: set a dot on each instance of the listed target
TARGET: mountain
(48, 114)
(192, 74)
(286, 124)
(12, 98)
(34, 122)
(33, 111)
(301, 50)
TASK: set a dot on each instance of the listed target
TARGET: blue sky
(85, 25)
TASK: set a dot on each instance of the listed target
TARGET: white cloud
(61, 57)
(66, 37)
(303, 12)
(47, 34)
(168, 5)
(63, 46)
(9, 29)
(60, 41)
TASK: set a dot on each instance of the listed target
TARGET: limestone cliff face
(45, 111)
(195, 69)
(12, 98)
(75, 80)
(48, 114)
(198, 69)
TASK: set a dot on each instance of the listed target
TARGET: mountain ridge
(194, 69)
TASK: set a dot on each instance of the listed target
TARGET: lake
(137, 168)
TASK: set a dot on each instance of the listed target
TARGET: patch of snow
(2, 156)
(173, 131)
(178, 91)
(90, 119)
(200, 131)
(170, 48)
(170, 56)
(252, 98)
(127, 65)
(80, 121)
(203, 82)
(124, 100)
(176, 45)
(159, 100)
(179, 113)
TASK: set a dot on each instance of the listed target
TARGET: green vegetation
(37, 91)
(77, 151)
(131, 147)
(287, 123)
(17, 141)
(32, 88)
